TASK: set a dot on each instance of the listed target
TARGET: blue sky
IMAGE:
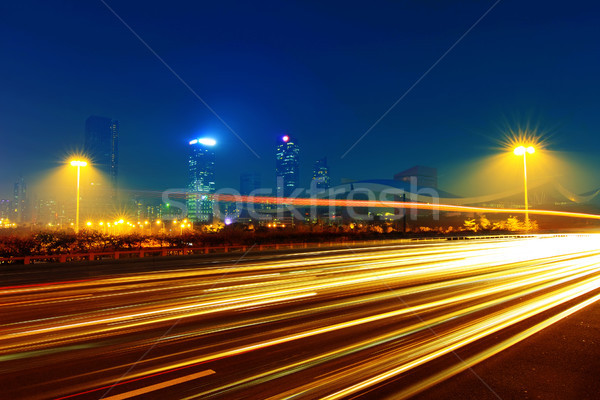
(324, 73)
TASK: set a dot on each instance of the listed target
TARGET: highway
(365, 322)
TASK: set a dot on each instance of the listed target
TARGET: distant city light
(285, 138)
(228, 221)
(204, 141)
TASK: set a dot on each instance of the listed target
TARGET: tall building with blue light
(201, 167)
(287, 165)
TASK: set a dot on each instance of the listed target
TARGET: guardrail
(160, 252)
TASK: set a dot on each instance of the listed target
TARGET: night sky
(323, 73)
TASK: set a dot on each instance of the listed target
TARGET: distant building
(148, 207)
(424, 176)
(287, 166)
(47, 211)
(166, 212)
(20, 202)
(201, 167)
(102, 146)
(320, 176)
(249, 182)
(5, 209)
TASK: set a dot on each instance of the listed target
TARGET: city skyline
(519, 65)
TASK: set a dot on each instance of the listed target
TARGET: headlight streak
(420, 326)
(202, 306)
(407, 258)
(466, 290)
(481, 356)
(406, 311)
(462, 338)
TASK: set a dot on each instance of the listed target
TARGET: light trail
(345, 321)
(158, 386)
(434, 206)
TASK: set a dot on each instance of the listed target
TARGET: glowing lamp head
(78, 163)
(228, 221)
(204, 141)
(519, 151)
(285, 138)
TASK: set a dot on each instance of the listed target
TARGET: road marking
(161, 385)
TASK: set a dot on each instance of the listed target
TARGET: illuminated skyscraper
(102, 146)
(201, 166)
(320, 176)
(286, 167)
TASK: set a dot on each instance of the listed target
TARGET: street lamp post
(78, 164)
(522, 151)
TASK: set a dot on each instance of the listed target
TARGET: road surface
(365, 322)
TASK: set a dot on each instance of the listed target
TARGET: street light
(78, 164)
(522, 151)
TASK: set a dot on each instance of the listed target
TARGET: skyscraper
(102, 146)
(287, 165)
(320, 176)
(201, 166)
(20, 201)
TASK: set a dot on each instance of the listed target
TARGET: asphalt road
(374, 322)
